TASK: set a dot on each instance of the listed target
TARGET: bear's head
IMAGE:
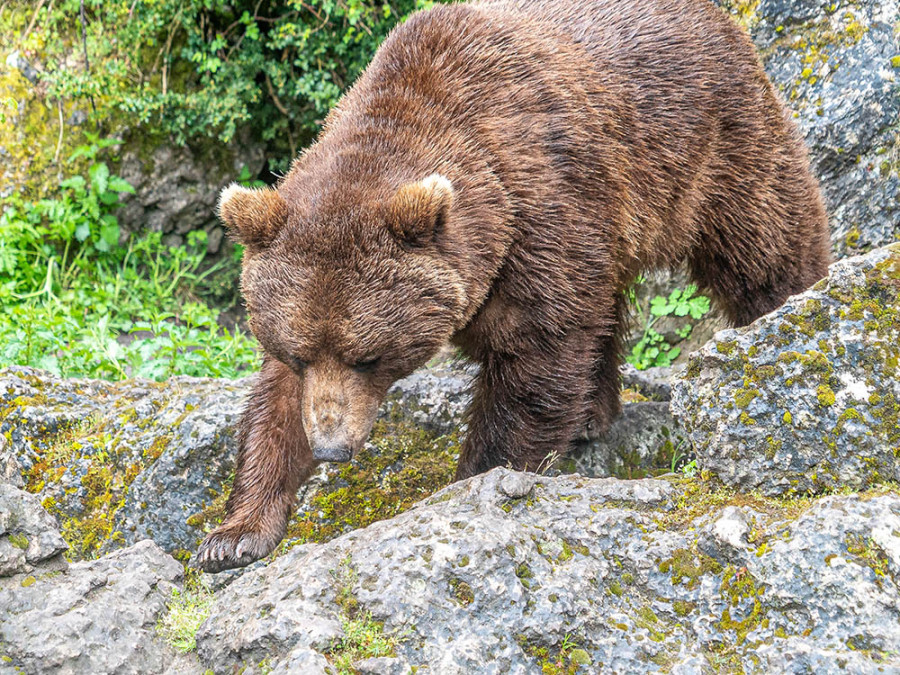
(352, 291)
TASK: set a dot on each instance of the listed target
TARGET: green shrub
(196, 70)
(653, 349)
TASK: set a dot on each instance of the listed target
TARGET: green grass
(186, 611)
(76, 302)
(363, 638)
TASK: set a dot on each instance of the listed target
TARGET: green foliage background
(198, 70)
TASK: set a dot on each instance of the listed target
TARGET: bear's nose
(331, 453)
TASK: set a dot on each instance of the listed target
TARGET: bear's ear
(419, 210)
(253, 217)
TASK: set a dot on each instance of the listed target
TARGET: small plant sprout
(187, 610)
(652, 349)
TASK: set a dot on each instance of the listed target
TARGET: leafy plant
(653, 349)
(363, 638)
(187, 610)
(201, 70)
(75, 302)
(690, 469)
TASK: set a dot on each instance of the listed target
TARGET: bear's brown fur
(496, 178)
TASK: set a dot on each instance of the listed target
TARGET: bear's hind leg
(751, 260)
(273, 460)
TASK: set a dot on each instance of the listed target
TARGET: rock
(187, 664)
(95, 617)
(835, 66)
(381, 665)
(28, 534)
(807, 397)
(727, 535)
(120, 462)
(653, 383)
(17, 61)
(177, 187)
(304, 661)
(643, 441)
(197, 460)
(577, 570)
(10, 469)
(435, 397)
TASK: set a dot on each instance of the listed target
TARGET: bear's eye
(366, 365)
(296, 364)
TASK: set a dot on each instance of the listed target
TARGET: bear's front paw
(225, 549)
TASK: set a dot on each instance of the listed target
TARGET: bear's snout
(339, 409)
(331, 453)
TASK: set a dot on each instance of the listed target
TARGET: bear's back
(578, 104)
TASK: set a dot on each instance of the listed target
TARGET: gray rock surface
(198, 458)
(806, 397)
(506, 572)
(176, 188)
(833, 62)
(15, 60)
(435, 397)
(642, 441)
(654, 383)
(94, 617)
(28, 534)
(121, 462)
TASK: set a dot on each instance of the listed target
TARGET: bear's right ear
(419, 210)
(253, 216)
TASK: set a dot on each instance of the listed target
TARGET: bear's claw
(225, 550)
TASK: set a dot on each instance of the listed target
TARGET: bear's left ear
(253, 217)
(418, 210)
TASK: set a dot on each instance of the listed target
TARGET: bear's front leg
(529, 405)
(273, 460)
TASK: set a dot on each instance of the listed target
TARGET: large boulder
(807, 397)
(121, 462)
(91, 617)
(836, 65)
(514, 573)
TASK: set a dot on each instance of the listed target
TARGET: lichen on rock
(634, 576)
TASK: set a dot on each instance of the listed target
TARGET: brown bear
(496, 178)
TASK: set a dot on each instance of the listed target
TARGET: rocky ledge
(806, 398)
(503, 573)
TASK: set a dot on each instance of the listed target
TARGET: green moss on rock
(825, 395)
(402, 465)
